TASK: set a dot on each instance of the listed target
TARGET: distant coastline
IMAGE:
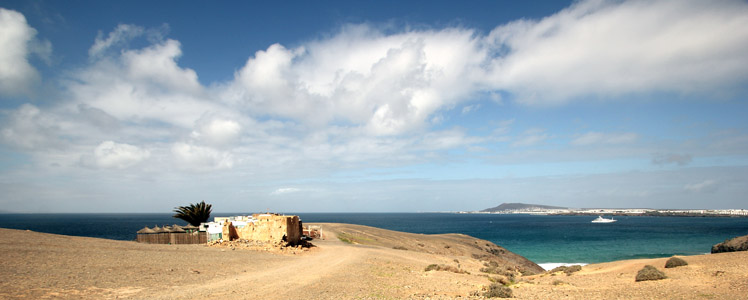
(536, 209)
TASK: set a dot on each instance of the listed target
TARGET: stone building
(271, 228)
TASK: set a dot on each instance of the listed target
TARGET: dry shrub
(493, 267)
(399, 248)
(496, 290)
(650, 273)
(675, 262)
(566, 269)
(503, 280)
(440, 267)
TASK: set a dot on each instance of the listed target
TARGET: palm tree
(194, 213)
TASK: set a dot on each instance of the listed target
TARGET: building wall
(267, 228)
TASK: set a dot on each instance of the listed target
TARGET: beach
(368, 263)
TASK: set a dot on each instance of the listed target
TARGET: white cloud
(200, 158)
(109, 154)
(365, 99)
(158, 64)
(392, 84)
(217, 131)
(282, 191)
(470, 108)
(531, 137)
(671, 158)
(144, 85)
(17, 41)
(388, 84)
(592, 138)
(447, 139)
(122, 34)
(503, 127)
(612, 48)
(98, 118)
(30, 128)
(706, 186)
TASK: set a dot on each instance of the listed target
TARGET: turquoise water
(542, 239)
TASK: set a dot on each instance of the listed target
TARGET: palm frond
(194, 213)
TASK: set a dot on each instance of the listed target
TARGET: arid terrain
(351, 262)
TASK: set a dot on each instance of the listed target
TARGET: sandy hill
(351, 262)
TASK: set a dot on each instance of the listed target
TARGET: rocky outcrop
(736, 244)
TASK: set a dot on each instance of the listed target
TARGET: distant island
(537, 209)
(514, 207)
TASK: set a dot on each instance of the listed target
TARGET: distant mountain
(519, 206)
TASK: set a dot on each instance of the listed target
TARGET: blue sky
(372, 106)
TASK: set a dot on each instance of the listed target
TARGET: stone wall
(270, 228)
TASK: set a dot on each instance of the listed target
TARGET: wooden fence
(200, 237)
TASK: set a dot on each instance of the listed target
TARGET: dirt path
(281, 279)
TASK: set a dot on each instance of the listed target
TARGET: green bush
(675, 262)
(496, 290)
(649, 273)
(432, 267)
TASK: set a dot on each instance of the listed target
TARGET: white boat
(600, 219)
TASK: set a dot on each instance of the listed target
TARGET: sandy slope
(39, 266)
(711, 276)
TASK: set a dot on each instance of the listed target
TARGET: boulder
(736, 244)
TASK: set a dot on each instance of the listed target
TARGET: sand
(46, 266)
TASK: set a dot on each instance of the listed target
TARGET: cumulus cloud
(592, 138)
(363, 94)
(364, 98)
(144, 85)
(388, 84)
(671, 158)
(706, 186)
(611, 48)
(395, 83)
(17, 42)
(200, 158)
(111, 155)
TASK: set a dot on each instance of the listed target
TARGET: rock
(736, 244)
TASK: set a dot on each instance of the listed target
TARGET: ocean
(546, 240)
